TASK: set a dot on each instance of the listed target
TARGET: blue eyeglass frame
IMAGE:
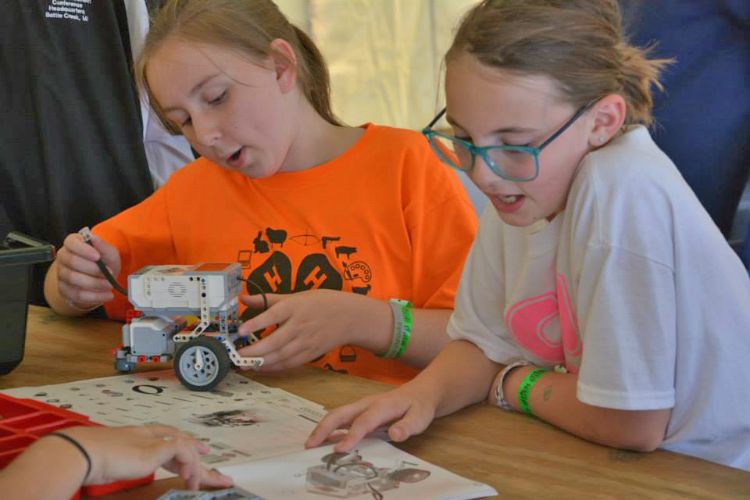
(429, 133)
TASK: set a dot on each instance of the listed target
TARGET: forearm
(60, 466)
(427, 337)
(55, 299)
(459, 376)
(554, 399)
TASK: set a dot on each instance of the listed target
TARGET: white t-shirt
(634, 288)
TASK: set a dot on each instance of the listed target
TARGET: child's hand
(407, 405)
(79, 281)
(119, 453)
(310, 324)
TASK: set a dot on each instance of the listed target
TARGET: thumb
(412, 423)
(398, 432)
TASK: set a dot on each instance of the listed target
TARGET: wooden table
(521, 457)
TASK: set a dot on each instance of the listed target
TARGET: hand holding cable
(89, 238)
(85, 268)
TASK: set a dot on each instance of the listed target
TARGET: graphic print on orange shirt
(282, 263)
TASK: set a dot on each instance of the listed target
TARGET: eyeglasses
(512, 163)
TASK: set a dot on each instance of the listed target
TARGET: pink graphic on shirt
(546, 326)
(533, 323)
(568, 326)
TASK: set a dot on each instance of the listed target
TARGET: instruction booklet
(256, 435)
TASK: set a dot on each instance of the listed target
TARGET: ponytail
(638, 75)
(316, 82)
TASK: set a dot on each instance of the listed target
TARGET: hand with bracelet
(551, 395)
(76, 456)
(313, 322)
(512, 387)
(462, 375)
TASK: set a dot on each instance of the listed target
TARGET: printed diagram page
(242, 420)
(375, 469)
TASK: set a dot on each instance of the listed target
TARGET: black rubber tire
(124, 366)
(215, 367)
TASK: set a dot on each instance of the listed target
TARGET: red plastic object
(23, 421)
(131, 314)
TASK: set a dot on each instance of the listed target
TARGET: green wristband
(524, 390)
(402, 323)
(406, 332)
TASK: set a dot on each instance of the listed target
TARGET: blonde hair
(578, 43)
(247, 26)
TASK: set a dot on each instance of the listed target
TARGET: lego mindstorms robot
(164, 296)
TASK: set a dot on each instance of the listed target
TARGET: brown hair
(578, 43)
(248, 26)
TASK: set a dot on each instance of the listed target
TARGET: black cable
(257, 286)
(257, 334)
(110, 278)
(86, 234)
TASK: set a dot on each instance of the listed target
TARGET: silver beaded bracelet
(499, 394)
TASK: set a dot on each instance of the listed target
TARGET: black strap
(80, 448)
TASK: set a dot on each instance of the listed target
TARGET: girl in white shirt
(598, 296)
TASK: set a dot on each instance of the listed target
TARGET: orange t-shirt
(385, 219)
